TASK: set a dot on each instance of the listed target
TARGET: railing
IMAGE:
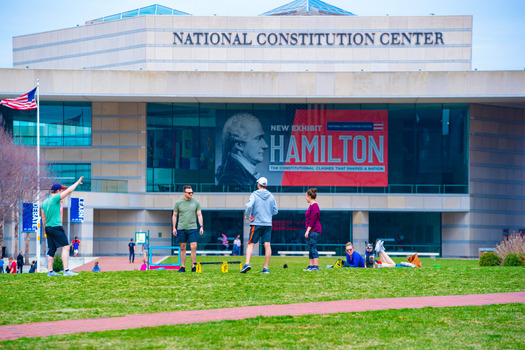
(392, 188)
(210, 246)
(339, 249)
(115, 186)
(423, 248)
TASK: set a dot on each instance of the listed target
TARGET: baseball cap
(262, 181)
(57, 187)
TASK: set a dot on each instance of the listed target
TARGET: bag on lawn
(414, 260)
(339, 263)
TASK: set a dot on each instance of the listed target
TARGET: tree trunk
(16, 233)
(1, 236)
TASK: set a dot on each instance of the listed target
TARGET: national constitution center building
(383, 115)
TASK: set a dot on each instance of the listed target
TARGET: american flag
(23, 103)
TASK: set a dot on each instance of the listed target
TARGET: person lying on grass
(353, 258)
(385, 260)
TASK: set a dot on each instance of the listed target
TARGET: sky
(498, 39)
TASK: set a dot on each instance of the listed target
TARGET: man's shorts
(56, 238)
(187, 236)
(264, 233)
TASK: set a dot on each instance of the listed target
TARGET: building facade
(382, 114)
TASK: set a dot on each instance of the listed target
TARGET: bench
(432, 255)
(209, 252)
(302, 253)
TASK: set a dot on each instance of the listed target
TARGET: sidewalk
(43, 329)
(74, 263)
(112, 263)
(108, 263)
(115, 263)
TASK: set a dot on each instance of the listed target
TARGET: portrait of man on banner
(243, 150)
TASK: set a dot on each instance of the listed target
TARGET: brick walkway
(178, 317)
(115, 263)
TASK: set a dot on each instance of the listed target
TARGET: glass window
(186, 143)
(77, 124)
(68, 174)
(216, 222)
(365, 148)
(412, 232)
(288, 228)
(61, 124)
(160, 151)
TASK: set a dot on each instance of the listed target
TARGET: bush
(489, 259)
(512, 244)
(58, 264)
(513, 260)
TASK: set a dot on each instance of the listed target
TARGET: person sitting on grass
(144, 265)
(385, 259)
(353, 258)
(32, 269)
(96, 268)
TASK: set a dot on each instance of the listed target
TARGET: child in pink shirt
(144, 265)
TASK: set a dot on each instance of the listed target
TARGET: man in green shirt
(52, 222)
(187, 210)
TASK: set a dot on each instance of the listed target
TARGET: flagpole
(38, 244)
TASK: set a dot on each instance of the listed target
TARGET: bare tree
(19, 180)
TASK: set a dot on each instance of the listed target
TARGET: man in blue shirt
(131, 247)
(353, 259)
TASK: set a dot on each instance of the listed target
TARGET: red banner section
(336, 148)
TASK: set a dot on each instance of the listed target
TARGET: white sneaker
(70, 273)
(378, 246)
(382, 247)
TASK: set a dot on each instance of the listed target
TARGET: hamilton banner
(311, 147)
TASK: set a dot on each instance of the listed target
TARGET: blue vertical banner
(30, 217)
(77, 209)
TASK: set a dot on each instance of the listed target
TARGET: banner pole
(69, 218)
(38, 230)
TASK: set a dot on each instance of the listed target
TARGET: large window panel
(216, 222)
(61, 124)
(289, 227)
(160, 151)
(77, 124)
(404, 231)
(67, 174)
(427, 146)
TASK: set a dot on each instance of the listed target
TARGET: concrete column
(456, 236)
(84, 231)
(360, 230)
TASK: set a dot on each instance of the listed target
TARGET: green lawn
(36, 297)
(475, 327)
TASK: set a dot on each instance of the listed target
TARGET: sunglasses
(189, 192)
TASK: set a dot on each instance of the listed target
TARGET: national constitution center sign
(332, 148)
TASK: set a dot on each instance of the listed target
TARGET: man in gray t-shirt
(187, 210)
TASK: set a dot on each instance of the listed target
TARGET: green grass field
(35, 297)
(473, 327)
